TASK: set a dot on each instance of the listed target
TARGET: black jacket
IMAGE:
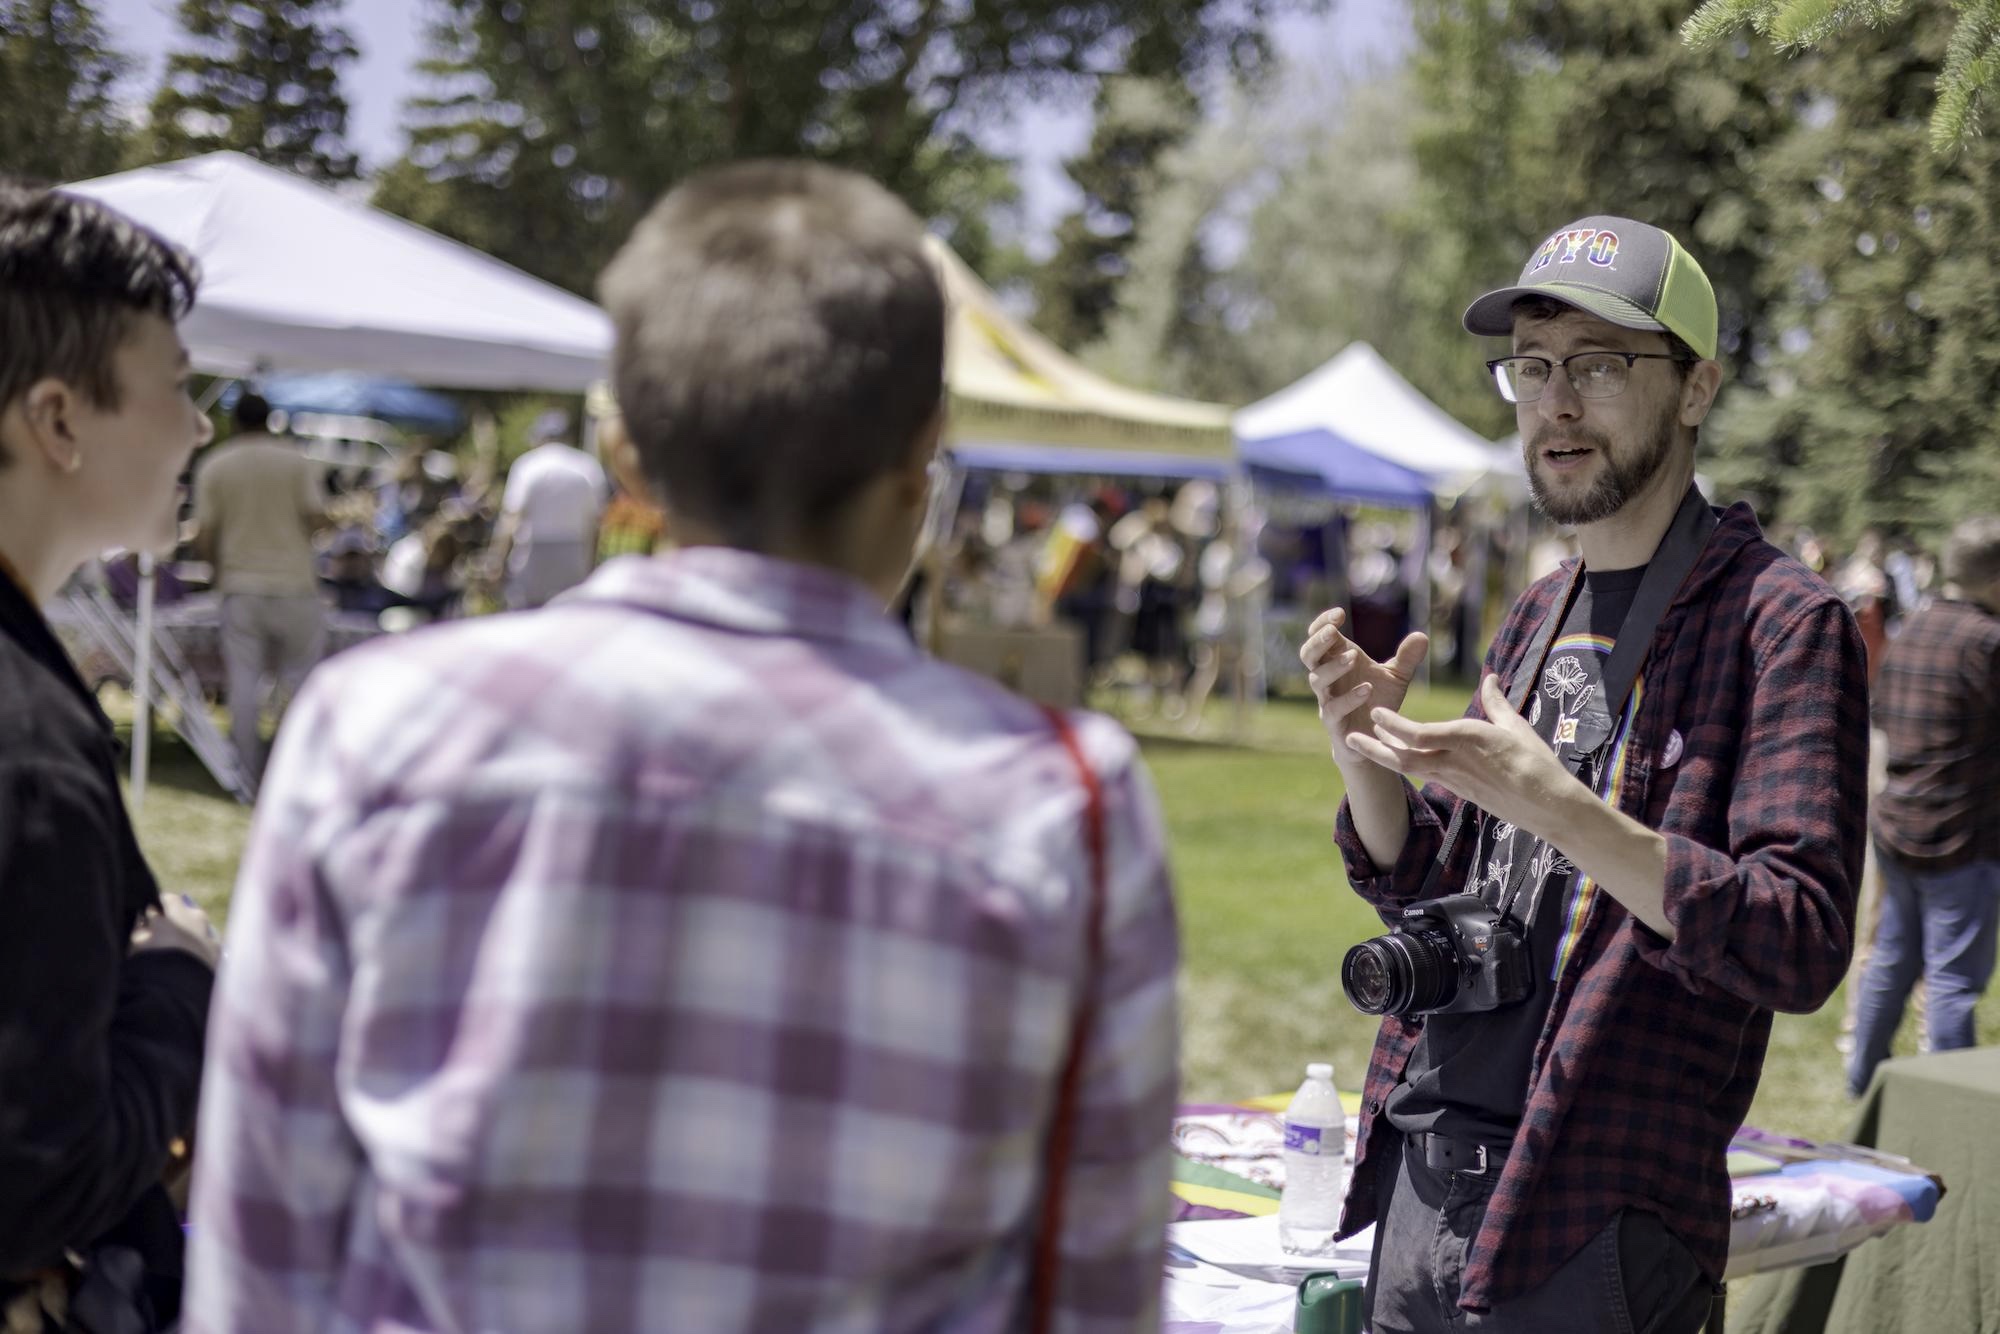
(100, 1051)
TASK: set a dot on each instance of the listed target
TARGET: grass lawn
(1265, 912)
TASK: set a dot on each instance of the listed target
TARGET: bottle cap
(1319, 1070)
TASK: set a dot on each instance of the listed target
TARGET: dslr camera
(1454, 955)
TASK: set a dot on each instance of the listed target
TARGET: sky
(1352, 35)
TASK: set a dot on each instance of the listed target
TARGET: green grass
(1265, 911)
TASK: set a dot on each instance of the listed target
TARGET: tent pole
(1242, 611)
(1420, 588)
(142, 685)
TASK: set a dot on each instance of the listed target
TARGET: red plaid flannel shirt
(1651, 1051)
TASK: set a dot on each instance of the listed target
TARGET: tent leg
(142, 685)
(1420, 589)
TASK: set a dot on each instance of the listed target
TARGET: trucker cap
(1629, 273)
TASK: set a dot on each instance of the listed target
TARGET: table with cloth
(1942, 1110)
(1797, 1203)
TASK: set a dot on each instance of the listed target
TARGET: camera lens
(1403, 972)
(1366, 977)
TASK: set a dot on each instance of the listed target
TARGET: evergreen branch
(1716, 19)
(1971, 67)
(1800, 24)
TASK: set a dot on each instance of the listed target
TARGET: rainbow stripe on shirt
(1584, 892)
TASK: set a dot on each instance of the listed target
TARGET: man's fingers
(1410, 655)
(1336, 707)
(1332, 616)
(1368, 748)
(1425, 736)
(1416, 761)
(1494, 700)
(1321, 644)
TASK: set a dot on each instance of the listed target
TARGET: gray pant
(540, 570)
(1634, 1277)
(265, 639)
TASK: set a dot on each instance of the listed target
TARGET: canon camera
(1454, 955)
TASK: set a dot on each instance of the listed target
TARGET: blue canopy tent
(1318, 460)
(1016, 456)
(341, 394)
(1321, 463)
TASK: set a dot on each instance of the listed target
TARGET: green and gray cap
(1631, 274)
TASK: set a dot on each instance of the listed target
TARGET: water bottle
(1315, 1140)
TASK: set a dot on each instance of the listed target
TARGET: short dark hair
(780, 342)
(73, 274)
(1972, 552)
(252, 412)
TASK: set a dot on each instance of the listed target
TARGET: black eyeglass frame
(1493, 369)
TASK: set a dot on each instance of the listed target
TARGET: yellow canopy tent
(1020, 402)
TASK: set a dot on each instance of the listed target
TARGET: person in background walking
(547, 540)
(257, 500)
(1937, 842)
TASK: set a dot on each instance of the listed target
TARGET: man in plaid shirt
(1937, 701)
(695, 954)
(1688, 861)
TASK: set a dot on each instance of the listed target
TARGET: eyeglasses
(1591, 374)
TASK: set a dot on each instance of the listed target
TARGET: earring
(75, 464)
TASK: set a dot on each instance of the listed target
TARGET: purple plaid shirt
(694, 954)
(1748, 750)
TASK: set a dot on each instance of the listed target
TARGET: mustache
(1551, 438)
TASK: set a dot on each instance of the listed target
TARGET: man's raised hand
(1347, 683)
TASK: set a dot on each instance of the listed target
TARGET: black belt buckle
(1444, 1154)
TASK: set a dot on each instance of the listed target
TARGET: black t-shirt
(1468, 1077)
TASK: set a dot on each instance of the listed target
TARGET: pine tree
(1137, 121)
(59, 118)
(1884, 300)
(261, 77)
(1967, 73)
(553, 124)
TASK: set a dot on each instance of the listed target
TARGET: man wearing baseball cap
(1658, 799)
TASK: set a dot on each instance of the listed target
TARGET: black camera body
(1454, 955)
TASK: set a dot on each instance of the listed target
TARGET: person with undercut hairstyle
(695, 953)
(104, 983)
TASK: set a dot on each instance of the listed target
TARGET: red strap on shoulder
(1062, 1129)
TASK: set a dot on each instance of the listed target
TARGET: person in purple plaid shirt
(695, 953)
(1682, 866)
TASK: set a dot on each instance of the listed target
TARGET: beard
(1617, 482)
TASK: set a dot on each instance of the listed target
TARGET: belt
(1442, 1153)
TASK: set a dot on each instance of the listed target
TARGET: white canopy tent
(1357, 407)
(1359, 399)
(297, 277)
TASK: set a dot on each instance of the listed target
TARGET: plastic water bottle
(1315, 1141)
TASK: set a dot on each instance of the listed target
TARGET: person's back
(558, 490)
(257, 499)
(550, 511)
(696, 953)
(1940, 718)
(1937, 848)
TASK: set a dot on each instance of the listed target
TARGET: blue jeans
(1941, 924)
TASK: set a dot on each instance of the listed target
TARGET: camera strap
(1672, 561)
